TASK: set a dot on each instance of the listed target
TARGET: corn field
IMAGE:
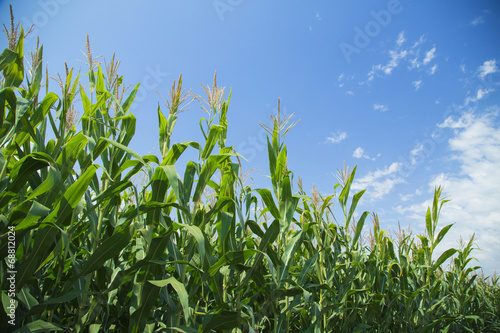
(191, 248)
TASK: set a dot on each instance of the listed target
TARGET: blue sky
(406, 90)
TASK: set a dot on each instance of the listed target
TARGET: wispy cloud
(477, 21)
(488, 67)
(380, 107)
(396, 57)
(431, 54)
(410, 54)
(380, 182)
(480, 94)
(360, 153)
(336, 137)
(417, 84)
(433, 69)
(401, 38)
(408, 197)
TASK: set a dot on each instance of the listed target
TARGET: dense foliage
(98, 251)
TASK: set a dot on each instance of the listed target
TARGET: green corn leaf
(183, 329)
(6, 57)
(281, 166)
(269, 202)
(71, 150)
(129, 151)
(148, 296)
(173, 180)
(213, 136)
(53, 177)
(344, 195)
(232, 258)
(130, 99)
(69, 296)
(269, 237)
(226, 225)
(43, 240)
(306, 268)
(211, 165)
(34, 86)
(359, 228)
(38, 326)
(189, 174)
(441, 235)
(287, 204)
(443, 257)
(100, 87)
(36, 212)
(43, 108)
(109, 248)
(127, 129)
(273, 156)
(290, 250)
(27, 299)
(224, 321)
(255, 228)
(181, 292)
(12, 122)
(164, 135)
(72, 197)
(14, 72)
(26, 167)
(354, 203)
(428, 224)
(200, 239)
(176, 151)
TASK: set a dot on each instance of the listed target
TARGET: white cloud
(488, 67)
(433, 69)
(336, 137)
(358, 153)
(349, 92)
(401, 38)
(415, 151)
(318, 17)
(477, 21)
(417, 84)
(462, 122)
(380, 182)
(483, 92)
(480, 94)
(474, 190)
(408, 197)
(420, 41)
(398, 55)
(431, 54)
(380, 107)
